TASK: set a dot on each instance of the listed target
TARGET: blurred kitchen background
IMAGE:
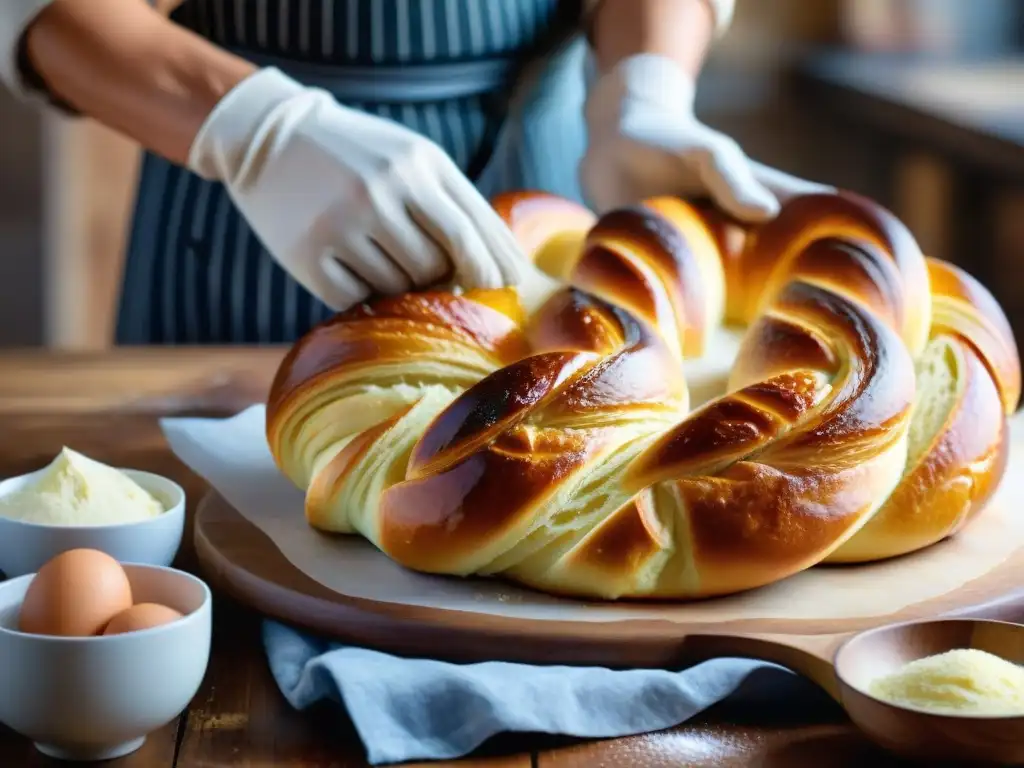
(917, 103)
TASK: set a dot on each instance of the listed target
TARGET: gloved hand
(348, 203)
(644, 141)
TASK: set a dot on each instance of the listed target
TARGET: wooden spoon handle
(813, 655)
(1006, 607)
(808, 655)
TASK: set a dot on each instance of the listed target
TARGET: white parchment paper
(232, 455)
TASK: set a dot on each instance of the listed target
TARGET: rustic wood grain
(136, 379)
(713, 743)
(239, 716)
(157, 752)
(810, 734)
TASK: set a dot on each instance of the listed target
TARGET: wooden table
(106, 405)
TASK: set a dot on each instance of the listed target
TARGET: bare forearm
(129, 67)
(679, 29)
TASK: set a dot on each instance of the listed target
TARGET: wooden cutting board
(241, 560)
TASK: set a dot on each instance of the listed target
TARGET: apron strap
(402, 84)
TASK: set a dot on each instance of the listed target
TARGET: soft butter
(962, 681)
(77, 490)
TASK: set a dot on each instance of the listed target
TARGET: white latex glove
(644, 141)
(348, 203)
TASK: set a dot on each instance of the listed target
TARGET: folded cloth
(419, 709)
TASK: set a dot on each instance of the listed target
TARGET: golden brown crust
(479, 471)
(388, 335)
(960, 468)
(639, 261)
(449, 522)
(773, 256)
(951, 482)
(536, 217)
(388, 328)
(572, 320)
(464, 435)
(497, 404)
(548, 228)
(727, 430)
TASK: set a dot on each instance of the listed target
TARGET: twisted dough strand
(463, 435)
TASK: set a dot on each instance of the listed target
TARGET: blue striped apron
(196, 274)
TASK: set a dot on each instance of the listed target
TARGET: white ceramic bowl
(24, 547)
(96, 698)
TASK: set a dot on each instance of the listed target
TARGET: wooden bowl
(975, 739)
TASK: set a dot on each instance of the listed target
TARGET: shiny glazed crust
(556, 446)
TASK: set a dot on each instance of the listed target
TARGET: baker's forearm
(127, 66)
(682, 30)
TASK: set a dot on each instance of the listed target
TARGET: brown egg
(75, 594)
(139, 617)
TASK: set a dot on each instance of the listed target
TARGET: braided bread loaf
(549, 436)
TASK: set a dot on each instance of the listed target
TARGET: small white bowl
(97, 698)
(25, 547)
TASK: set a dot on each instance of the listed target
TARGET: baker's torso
(195, 271)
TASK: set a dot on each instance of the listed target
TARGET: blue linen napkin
(420, 709)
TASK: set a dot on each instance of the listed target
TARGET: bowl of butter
(77, 502)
